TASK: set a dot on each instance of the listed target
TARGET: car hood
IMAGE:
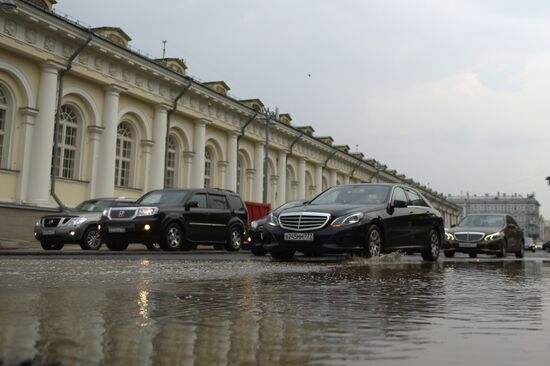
(473, 229)
(86, 214)
(336, 210)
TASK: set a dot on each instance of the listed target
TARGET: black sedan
(495, 234)
(367, 218)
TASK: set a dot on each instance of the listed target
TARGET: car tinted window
(511, 220)
(217, 201)
(482, 221)
(235, 202)
(160, 197)
(93, 205)
(200, 198)
(415, 198)
(399, 194)
(359, 194)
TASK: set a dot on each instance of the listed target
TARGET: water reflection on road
(141, 312)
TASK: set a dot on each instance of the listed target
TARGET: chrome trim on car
(122, 209)
(205, 224)
(471, 236)
(313, 220)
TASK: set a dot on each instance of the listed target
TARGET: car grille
(468, 237)
(303, 221)
(122, 213)
(54, 221)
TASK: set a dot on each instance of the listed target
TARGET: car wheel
(235, 240)
(117, 247)
(472, 255)
(503, 250)
(431, 253)
(521, 252)
(48, 245)
(449, 253)
(172, 238)
(154, 247)
(373, 247)
(258, 250)
(91, 239)
(283, 255)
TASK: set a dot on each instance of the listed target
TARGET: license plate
(48, 232)
(117, 230)
(467, 245)
(298, 236)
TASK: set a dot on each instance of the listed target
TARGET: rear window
(235, 202)
(217, 201)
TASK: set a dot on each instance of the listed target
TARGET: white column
(250, 174)
(188, 167)
(347, 179)
(272, 199)
(332, 182)
(156, 173)
(222, 171)
(106, 181)
(302, 179)
(146, 149)
(281, 184)
(232, 156)
(28, 119)
(259, 168)
(318, 179)
(199, 143)
(94, 136)
(42, 140)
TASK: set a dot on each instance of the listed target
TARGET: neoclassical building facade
(116, 108)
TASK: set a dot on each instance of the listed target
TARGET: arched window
(124, 147)
(171, 162)
(3, 127)
(208, 168)
(240, 175)
(67, 143)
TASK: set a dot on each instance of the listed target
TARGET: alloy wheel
(375, 243)
(93, 239)
(236, 240)
(434, 244)
(173, 237)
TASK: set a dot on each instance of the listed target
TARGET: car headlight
(347, 220)
(254, 225)
(105, 213)
(37, 223)
(272, 220)
(494, 236)
(449, 236)
(75, 221)
(147, 211)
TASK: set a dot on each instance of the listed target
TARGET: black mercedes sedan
(496, 234)
(368, 218)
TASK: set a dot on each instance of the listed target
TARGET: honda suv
(177, 219)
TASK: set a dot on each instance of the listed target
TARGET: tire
(117, 247)
(521, 252)
(154, 247)
(503, 250)
(258, 250)
(91, 239)
(431, 253)
(235, 240)
(373, 246)
(283, 255)
(449, 253)
(172, 237)
(48, 245)
(472, 255)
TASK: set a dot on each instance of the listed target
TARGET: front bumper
(62, 234)
(481, 246)
(328, 239)
(131, 231)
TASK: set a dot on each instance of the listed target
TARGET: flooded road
(248, 311)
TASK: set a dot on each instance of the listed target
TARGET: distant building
(525, 210)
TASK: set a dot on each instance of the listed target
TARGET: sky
(452, 93)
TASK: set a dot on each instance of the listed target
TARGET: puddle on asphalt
(389, 311)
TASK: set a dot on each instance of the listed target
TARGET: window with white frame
(67, 143)
(124, 147)
(240, 175)
(207, 168)
(171, 162)
(3, 127)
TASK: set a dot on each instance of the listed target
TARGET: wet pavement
(216, 308)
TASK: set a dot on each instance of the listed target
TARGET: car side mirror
(191, 204)
(399, 204)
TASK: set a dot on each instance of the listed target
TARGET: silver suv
(78, 226)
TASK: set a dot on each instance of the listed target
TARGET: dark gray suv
(78, 226)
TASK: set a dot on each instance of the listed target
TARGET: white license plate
(467, 245)
(117, 230)
(48, 232)
(298, 236)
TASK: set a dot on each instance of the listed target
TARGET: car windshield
(162, 197)
(359, 194)
(289, 204)
(93, 206)
(482, 221)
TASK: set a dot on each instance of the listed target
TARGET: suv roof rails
(223, 190)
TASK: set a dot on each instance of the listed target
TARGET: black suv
(77, 226)
(177, 219)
